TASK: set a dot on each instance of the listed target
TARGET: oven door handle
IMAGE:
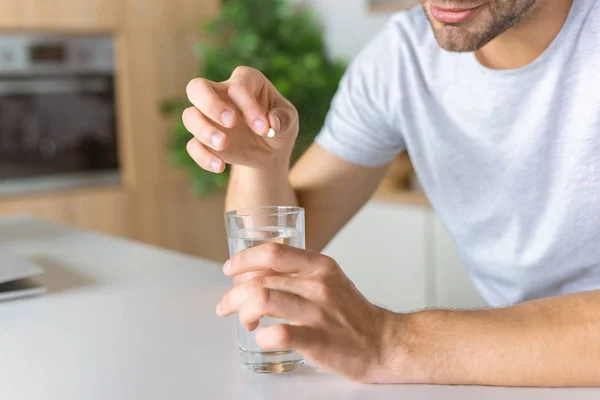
(53, 86)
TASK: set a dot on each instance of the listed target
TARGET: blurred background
(91, 93)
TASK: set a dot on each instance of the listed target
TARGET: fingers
(203, 130)
(280, 337)
(281, 120)
(275, 121)
(246, 92)
(276, 304)
(204, 158)
(252, 112)
(202, 94)
(279, 258)
(235, 297)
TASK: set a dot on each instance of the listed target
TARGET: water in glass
(252, 356)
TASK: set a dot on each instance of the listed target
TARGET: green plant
(282, 41)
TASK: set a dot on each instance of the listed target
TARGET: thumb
(282, 121)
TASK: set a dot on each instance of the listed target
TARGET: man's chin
(458, 42)
(460, 37)
(456, 38)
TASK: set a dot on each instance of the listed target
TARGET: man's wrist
(268, 164)
(266, 183)
(404, 339)
(279, 160)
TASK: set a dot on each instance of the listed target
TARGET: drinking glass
(252, 227)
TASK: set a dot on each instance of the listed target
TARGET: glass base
(277, 367)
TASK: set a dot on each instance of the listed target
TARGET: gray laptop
(15, 277)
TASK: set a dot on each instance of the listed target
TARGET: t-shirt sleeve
(360, 125)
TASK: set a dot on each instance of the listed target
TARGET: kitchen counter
(401, 196)
(122, 320)
(400, 184)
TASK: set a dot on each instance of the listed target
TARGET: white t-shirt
(509, 159)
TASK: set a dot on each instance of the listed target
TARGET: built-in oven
(57, 112)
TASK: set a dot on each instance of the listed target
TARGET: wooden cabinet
(10, 14)
(94, 15)
(383, 251)
(155, 59)
(64, 15)
(105, 210)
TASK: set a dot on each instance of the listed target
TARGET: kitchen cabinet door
(94, 15)
(383, 251)
(105, 210)
(9, 14)
(453, 286)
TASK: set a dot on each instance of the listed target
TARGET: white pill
(271, 133)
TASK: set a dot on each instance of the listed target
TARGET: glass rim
(263, 211)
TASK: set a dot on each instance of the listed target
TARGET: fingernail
(278, 127)
(259, 126)
(217, 139)
(227, 118)
(218, 310)
(215, 165)
(227, 267)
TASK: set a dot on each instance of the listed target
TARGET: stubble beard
(476, 33)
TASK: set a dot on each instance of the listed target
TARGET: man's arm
(550, 342)
(331, 190)
(245, 122)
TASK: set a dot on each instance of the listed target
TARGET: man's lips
(452, 15)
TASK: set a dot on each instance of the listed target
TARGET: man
(499, 107)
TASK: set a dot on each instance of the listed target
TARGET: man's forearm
(250, 187)
(550, 342)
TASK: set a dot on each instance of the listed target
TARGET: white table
(122, 320)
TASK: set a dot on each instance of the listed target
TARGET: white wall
(348, 24)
